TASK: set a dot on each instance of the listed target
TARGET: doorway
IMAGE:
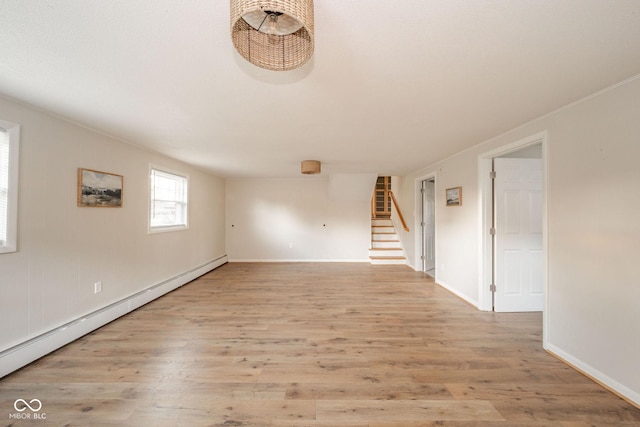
(513, 276)
(381, 202)
(428, 223)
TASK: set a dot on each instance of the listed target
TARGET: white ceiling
(392, 86)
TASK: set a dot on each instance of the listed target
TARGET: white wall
(456, 235)
(297, 219)
(64, 249)
(593, 207)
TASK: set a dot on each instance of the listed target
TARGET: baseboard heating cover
(26, 352)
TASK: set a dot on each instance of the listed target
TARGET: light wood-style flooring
(312, 344)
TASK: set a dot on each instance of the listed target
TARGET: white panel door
(518, 210)
(429, 226)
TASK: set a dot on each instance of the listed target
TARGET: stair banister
(395, 203)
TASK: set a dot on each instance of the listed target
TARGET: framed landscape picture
(99, 189)
(454, 196)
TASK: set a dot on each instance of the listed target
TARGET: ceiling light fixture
(273, 34)
(310, 167)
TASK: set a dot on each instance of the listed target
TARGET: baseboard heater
(26, 352)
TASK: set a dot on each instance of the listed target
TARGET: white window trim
(167, 228)
(13, 132)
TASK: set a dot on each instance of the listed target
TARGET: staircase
(385, 243)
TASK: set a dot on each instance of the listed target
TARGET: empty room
(247, 213)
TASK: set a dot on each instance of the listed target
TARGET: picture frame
(97, 189)
(454, 196)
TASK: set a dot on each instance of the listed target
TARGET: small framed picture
(454, 196)
(99, 189)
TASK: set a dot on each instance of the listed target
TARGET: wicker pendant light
(310, 167)
(273, 34)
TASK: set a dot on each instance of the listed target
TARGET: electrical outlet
(97, 287)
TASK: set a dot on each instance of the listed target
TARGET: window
(9, 140)
(169, 200)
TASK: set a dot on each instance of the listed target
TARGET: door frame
(485, 201)
(418, 220)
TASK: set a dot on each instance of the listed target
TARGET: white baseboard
(614, 386)
(32, 349)
(299, 260)
(457, 293)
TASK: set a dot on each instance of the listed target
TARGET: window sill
(166, 229)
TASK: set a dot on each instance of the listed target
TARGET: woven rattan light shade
(273, 52)
(310, 167)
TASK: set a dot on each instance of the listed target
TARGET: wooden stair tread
(385, 244)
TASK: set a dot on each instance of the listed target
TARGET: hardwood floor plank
(374, 391)
(406, 410)
(313, 345)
